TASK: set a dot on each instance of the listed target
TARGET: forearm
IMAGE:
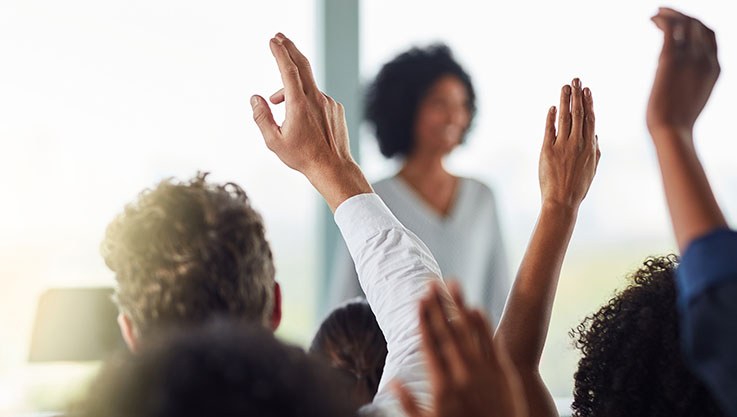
(693, 209)
(524, 325)
(395, 270)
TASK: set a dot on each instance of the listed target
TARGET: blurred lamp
(75, 324)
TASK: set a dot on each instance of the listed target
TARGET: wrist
(667, 132)
(338, 181)
(559, 209)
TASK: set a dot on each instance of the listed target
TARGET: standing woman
(421, 105)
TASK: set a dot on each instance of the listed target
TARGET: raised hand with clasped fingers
(687, 71)
(313, 138)
(688, 68)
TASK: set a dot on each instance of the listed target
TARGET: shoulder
(477, 190)
(388, 187)
(385, 183)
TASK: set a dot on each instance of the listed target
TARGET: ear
(126, 329)
(276, 313)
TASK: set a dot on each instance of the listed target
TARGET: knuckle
(303, 62)
(270, 144)
(259, 116)
(291, 69)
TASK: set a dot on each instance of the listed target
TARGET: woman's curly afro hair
(394, 96)
(632, 363)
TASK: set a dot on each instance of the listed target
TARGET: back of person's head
(350, 340)
(220, 369)
(394, 97)
(632, 363)
(187, 251)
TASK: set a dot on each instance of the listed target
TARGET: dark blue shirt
(707, 303)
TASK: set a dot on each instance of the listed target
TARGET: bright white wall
(101, 99)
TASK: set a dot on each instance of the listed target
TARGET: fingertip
(587, 92)
(576, 83)
(566, 89)
(255, 101)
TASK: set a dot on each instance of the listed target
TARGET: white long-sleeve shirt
(467, 243)
(395, 270)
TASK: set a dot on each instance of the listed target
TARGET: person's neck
(419, 170)
(431, 181)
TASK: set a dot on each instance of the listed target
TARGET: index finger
(305, 70)
(287, 68)
(564, 113)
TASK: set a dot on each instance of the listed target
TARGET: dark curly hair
(632, 363)
(350, 340)
(221, 369)
(186, 251)
(394, 96)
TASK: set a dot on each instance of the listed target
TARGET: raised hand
(568, 162)
(686, 74)
(569, 158)
(687, 71)
(313, 138)
(470, 375)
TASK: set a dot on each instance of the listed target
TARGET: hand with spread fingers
(569, 157)
(470, 375)
(688, 68)
(313, 138)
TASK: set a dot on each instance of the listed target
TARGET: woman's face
(442, 117)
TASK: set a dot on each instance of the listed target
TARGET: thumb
(264, 119)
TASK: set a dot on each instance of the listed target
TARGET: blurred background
(99, 100)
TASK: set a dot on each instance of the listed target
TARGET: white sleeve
(343, 278)
(395, 270)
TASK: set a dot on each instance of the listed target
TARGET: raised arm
(707, 276)
(394, 267)
(687, 71)
(314, 137)
(568, 162)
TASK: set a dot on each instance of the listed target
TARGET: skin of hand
(470, 374)
(568, 163)
(314, 137)
(687, 70)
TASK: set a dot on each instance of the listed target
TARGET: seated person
(350, 340)
(707, 276)
(632, 363)
(220, 369)
(186, 252)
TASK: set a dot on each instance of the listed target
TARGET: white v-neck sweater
(467, 243)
